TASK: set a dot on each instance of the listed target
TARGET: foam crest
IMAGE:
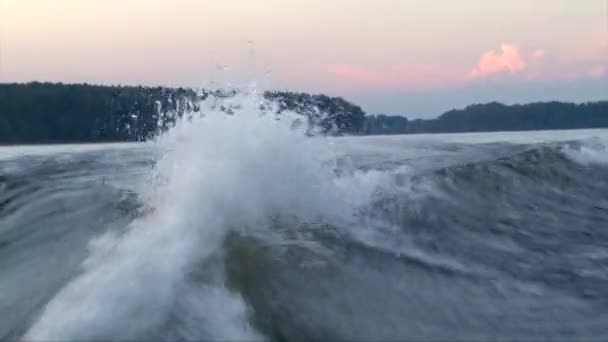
(590, 152)
(218, 172)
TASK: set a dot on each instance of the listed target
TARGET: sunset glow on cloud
(352, 48)
(537, 65)
(509, 62)
(411, 76)
(599, 71)
(508, 59)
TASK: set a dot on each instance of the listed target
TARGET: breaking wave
(242, 226)
(216, 174)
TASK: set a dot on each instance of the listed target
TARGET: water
(240, 228)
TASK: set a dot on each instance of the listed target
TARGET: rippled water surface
(224, 231)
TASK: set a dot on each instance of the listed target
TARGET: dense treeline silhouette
(495, 116)
(48, 113)
(58, 113)
(332, 114)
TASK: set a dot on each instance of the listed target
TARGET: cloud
(508, 59)
(538, 55)
(351, 73)
(510, 64)
(599, 71)
(414, 76)
(514, 64)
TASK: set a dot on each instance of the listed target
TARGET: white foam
(217, 173)
(590, 152)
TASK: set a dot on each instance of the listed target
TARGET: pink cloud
(508, 59)
(538, 55)
(508, 64)
(537, 65)
(599, 71)
(406, 76)
(351, 73)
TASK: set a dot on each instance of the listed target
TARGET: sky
(416, 58)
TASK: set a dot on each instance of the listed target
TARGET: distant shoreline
(71, 143)
(53, 113)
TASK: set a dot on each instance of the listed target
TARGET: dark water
(459, 237)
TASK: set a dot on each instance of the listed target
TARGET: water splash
(590, 152)
(219, 171)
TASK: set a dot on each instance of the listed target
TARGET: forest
(65, 113)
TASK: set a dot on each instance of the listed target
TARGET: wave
(512, 235)
(217, 173)
(590, 152)
(241, 226)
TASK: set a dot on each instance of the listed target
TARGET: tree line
(61, 113)
(492, 117)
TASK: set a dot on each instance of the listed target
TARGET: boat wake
(242, 226)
